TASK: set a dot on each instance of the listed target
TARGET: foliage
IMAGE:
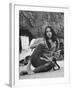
(36, 21)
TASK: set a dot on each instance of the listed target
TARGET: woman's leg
(35, 57)
(44, 68)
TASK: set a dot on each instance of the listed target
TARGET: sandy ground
(50, 74)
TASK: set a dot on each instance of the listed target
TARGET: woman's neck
(50, 40)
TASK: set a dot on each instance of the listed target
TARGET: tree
(36, 21)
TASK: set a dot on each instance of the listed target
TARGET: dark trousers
(41, 65)
(44, 68)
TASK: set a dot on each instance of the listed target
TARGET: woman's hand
(56, 54)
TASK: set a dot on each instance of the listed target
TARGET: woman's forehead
(48, 29)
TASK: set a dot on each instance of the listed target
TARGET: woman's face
(48, 33)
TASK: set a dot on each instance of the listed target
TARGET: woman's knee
(40, 46)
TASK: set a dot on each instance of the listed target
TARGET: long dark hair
(53, 38)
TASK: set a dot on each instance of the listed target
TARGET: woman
(43, 56)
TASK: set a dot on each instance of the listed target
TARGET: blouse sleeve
(35, 42)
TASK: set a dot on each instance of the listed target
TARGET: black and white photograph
(41, 44)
